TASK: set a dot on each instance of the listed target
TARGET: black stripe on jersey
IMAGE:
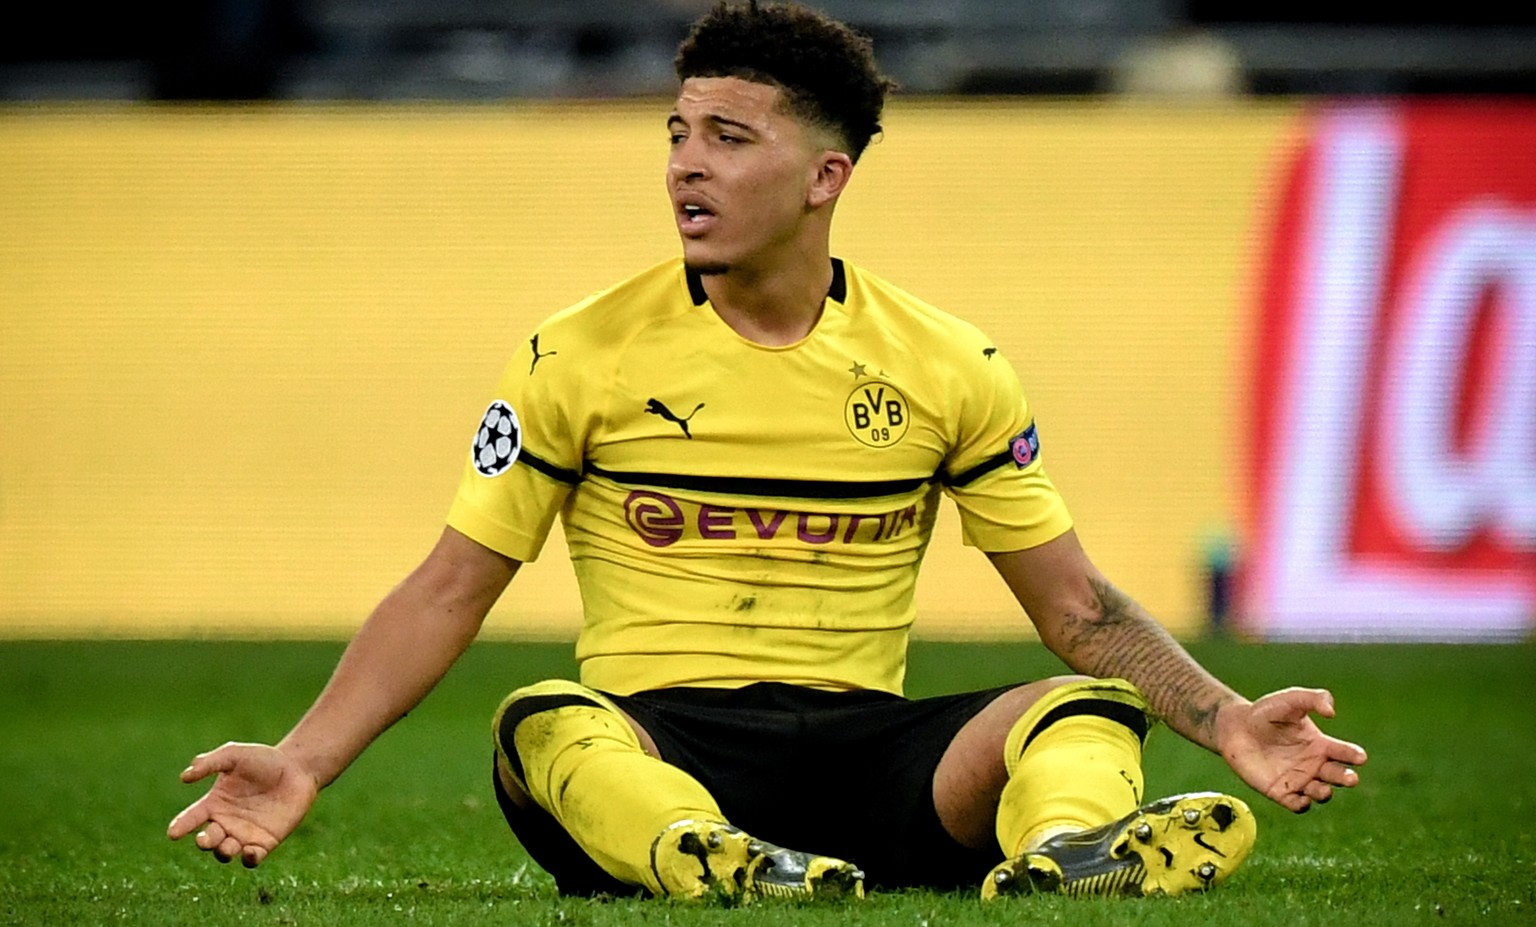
(980, 470)
(570, 477)
(837, 292)
(763, 486)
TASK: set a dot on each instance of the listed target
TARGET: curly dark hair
(826, 70)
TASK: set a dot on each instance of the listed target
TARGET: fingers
(1344, 752)
(227, 849)
(195, 815)
(191, 818)
(1298, 702)
(210, 837)
(212, 816)
(225, 846)
(220, 760)
(1318, 792)
(1334, 773)
(1322, 702)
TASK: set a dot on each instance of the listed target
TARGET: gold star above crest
(857, 370)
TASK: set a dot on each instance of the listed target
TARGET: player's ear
(833, 171)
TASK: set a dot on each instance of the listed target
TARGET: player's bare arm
(412, 638)
(417, 632)
(1096, 629)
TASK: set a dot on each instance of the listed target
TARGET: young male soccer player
(747, 447)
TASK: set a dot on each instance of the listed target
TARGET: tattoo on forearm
(1117, 638)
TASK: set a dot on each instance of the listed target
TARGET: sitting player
(747, 448)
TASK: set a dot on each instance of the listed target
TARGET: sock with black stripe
(578, 758)
(1074, 762)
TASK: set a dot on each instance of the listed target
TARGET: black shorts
(844, 774)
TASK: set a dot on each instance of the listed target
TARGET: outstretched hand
(258, 799)
(1276, 747)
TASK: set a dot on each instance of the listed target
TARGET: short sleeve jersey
(739, 513)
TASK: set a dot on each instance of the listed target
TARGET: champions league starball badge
(498, 441)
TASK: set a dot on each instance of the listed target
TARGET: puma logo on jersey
(657, 407)
(534, 343)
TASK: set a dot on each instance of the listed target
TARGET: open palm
(258, 799)
(1276, 747)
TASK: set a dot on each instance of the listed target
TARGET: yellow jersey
(739, 513)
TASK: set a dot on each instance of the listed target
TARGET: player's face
(739, 173)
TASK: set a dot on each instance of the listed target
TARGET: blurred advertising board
(243, 349)
(1393, 434)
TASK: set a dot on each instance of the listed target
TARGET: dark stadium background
(355, 49)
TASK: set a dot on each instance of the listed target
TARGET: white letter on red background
(1307, 584)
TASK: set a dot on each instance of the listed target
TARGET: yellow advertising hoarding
(243, 351)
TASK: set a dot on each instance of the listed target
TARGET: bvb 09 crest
(877, 414)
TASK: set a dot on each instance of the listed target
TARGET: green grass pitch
(92, 736)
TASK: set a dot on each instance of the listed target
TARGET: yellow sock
(576, 756)
(1074, 762)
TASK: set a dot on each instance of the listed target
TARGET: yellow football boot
(697, 859)
(1185, 843)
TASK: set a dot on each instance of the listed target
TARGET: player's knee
(1062, 697)
(1059, 683)
(1062, 690)
(1017, 702)
(548, 704)
(523, 703)
(546, 690)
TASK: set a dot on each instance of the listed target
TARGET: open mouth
(694, 219)
(692, 213)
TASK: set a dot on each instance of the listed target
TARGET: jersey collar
(837, 292)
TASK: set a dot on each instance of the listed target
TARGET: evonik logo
(661, 521)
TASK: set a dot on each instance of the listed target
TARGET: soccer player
(747, 447)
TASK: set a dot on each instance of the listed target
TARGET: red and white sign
(1394, 430)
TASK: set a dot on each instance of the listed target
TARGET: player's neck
(775, 305)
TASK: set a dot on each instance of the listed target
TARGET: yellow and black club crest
(877, 414)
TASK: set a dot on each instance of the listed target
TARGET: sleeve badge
(1025, 447)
